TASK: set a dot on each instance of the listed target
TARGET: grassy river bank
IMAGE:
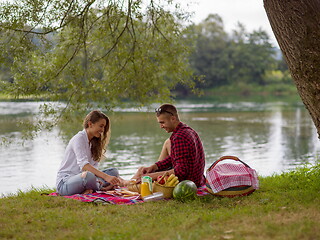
(287, 206)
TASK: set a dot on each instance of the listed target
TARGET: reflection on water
(270, 137)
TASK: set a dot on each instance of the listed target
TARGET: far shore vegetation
(235, 92)
(287, 206)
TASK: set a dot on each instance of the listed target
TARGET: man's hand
(151, 169)
(155, 175)
(144, 170)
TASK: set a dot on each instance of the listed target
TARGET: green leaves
(237, 58)
(101, 52)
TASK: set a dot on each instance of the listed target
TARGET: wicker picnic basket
(156, 187)
(166, 190)
(240, 190)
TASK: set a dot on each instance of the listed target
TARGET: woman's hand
(112, 180)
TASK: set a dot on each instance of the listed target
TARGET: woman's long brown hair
(98, 145)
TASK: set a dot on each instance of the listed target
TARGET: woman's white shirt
(77, 155)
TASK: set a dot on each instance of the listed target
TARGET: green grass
(287, 206)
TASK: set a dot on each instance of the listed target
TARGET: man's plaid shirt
(187, 155)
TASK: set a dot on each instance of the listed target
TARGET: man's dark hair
(167, 109)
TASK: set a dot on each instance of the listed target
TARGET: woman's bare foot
(107, 188)
(88, 191)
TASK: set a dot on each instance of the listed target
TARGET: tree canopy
(104, 54)
(91, 53)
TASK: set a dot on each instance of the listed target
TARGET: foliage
(101, 54)
(285, 207)
(240, 58)
(93, 53)
(251, 55)
(210, 56)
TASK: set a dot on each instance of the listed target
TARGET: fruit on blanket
(170, 177)
(162, 180)
(185, 191)
(172, 181)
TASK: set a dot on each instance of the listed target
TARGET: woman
(78, 171)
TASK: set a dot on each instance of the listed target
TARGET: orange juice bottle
(146, 186)
(145, 190)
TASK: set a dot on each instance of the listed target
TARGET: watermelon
(185, 191)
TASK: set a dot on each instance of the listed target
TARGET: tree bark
(296, 25)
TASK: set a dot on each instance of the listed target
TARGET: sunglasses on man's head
(160, 110)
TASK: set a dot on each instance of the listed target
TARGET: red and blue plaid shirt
(187, 155)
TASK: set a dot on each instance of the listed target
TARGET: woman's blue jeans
(83, 181)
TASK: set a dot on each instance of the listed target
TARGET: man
(182, 153)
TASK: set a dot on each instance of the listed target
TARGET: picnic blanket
(102, 197)
(228, 175)
(107, 198)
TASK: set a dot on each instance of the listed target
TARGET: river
(271, 137)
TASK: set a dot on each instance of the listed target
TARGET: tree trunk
(296, 25)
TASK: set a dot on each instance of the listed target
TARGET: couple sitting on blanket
(182, 153)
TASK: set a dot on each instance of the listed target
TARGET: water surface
(270, 137)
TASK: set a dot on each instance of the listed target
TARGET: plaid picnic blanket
(106, 198)
(227, 175)
(202, 191)
(102, 197)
